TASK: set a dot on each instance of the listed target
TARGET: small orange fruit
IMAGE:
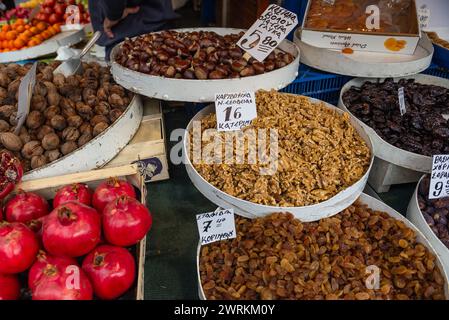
(34, 30)
(19, 43)
(6, 28)
(41, 26)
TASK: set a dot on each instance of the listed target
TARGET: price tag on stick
(268, 31)
(26, 89)
(235, 111)
(216, 226)
(439, 178)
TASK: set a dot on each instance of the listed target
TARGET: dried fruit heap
(65, 114)
(278, 257)
(422, 129)
(320, 154)
(194, 55)
(435, 211)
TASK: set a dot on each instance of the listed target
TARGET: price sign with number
(268, 31)
(439, 178)
(235, 110)
(216, 226)
(424, 17)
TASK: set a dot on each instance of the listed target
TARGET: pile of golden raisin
(278, 257)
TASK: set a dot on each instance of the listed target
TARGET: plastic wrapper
(396, 16)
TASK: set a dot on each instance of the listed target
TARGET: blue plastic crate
(317, 84)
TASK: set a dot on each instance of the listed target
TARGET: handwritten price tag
(268, 31)
(235, 110)
(26, 89)
(216, 226)
(424, 18)
(439, 178)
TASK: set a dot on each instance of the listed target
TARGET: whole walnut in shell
(43, 131)
(97, 119)
(6, 111)
(102, 108)
(52, 155)
(53, 98)
(35, 119)
(74, 121)
(10, 141)
(50, 141)
(38, 161)
(84, 138)
(99, 128)
(115, 114)
(58, 122)
(52, 111)
(38, 103)
(4, 126)
(85, 128)
(116, 101)
(70, 134)
(68, 112)
(68, 147)
(31, 149)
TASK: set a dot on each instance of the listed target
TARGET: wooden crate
(148, 148)
(48, 187)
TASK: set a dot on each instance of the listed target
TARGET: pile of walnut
(65, 113)
(278, 257)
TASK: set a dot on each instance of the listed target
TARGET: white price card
(268, 31)
(424, 18)
(216, 226)
(401, 97)
(235, 111)
(439, 178)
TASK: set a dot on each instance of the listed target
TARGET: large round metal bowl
(98, 151)
(414, 214)
(376, 205)
(204, 90)
(385, 150)
(249, 209)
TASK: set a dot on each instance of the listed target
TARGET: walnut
(50, 141)
(31, 149)
(58, 122)
(35, 119)
(99, 128)
(38, 161)
(68, 147)
(70, 134)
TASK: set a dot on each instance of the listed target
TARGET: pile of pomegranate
(79, 250)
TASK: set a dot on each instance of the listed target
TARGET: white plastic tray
(100, 150)
(67, 38)
(248, 209)
(366, 64)
(385, 150)
(204, 90)
(376, 205)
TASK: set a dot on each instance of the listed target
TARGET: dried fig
(11, 141)
(50, 141)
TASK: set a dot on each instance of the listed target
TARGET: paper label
(439, 178)
(216, 226)
(424, 18)
(268, 31)
(401, 97)
(26, 89)
(235, 111)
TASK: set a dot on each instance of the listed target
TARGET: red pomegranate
(11, 172)
(18, 247)
(109, 191)
(71, 230)
(111, 270)
(75, 192)
(25, 206)
(125, 221)
(9, 287)
(56, 278)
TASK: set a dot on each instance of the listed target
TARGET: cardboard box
(329, 37)
(48, 187)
